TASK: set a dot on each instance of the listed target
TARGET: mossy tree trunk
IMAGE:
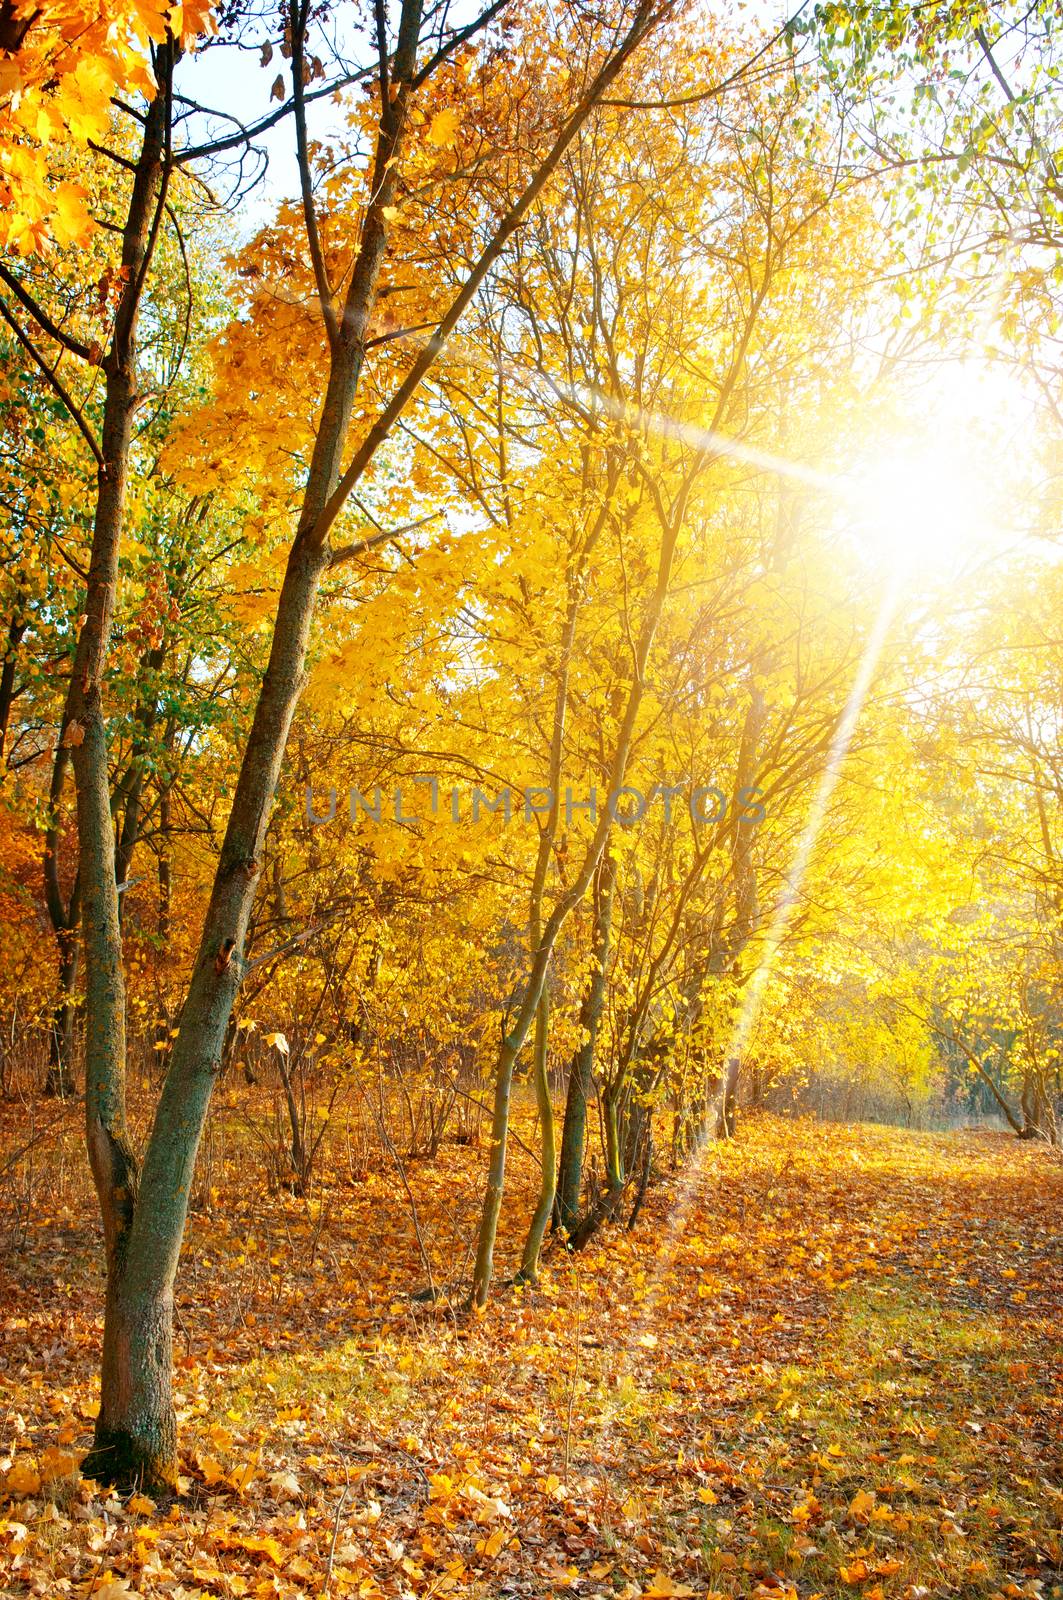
(145, 1214)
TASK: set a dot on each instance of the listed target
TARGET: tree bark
(581, 1072)
(727, 1111)
(130, 1369)
(60, 1077)
(529, 1267)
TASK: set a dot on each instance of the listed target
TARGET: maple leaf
(443, 128)
(862, 1505)
(662, 1587)
(21, 1479)
(71, 222)
(56, 1463)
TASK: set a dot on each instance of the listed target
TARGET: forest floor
(826, 1364)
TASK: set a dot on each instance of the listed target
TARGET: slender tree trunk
(496, 1175)
(529, 1267)
(727, 1113)
(163, 1020)
(15, 631)
(65, 918)
(747, 908)
(60, 1077)
(127, 803)
(581, 1073)
(132, 1368)
(614, 1161)
(136, 1433)
(1038, 1117)
(136, 1408)
(647, 1167)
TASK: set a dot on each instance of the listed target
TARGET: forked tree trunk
(144, 1225)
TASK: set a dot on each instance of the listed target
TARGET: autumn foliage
(529, 720)
(834, 1378)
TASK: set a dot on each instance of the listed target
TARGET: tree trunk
(136, 1431)
(614, 1160)
(647, 1167)
(727, 1114)
(529, 1267)
(163, 1021)
(16, 629)
(581, 1073)
(136, 1422)
(60, 1078)
(496, 1176)
(130, 1394)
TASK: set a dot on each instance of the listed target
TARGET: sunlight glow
(934, 498)
(925, 508)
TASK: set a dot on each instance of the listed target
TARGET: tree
(144, 1211)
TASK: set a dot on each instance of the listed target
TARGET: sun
(939, 496)
(924, 509)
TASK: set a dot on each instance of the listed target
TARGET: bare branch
(42, 319)
(56, 382)
(326, 298)
(385, 536)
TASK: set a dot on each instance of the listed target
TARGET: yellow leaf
(22, 1479)
(663, 1588)
(241, 1477)
(56, 1464)
(861, 1505)
(71, 222)
(494, 1544)
(212, 1470)
(443, 128)
(272, 1548)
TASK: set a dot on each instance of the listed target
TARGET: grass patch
(898, 1452)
